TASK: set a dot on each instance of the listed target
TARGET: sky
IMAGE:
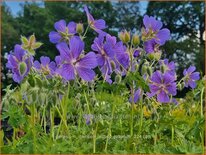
(15, 6)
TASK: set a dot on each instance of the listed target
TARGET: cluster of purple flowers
(110, 55)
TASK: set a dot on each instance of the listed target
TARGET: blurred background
(184, 19)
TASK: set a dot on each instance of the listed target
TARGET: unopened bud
(149, 71)
(113, 65)
(135, 40)
(155, 56)
(22, 68)
(79, 28)
(144, 69)
(136, 67)
(124, 36)
(118, 78)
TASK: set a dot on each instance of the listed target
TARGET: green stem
(109, 131)
(141, 116)
(52, 124)
(201, 102)
(62, 118)
(86, 31)
(173, 130)
(94, 139)
(87, 103)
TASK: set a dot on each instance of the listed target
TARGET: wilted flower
(64, 33)
(73, 63)
(97, 25)
(162, 85)
(191, 77)
(136, 97)
(19, 63)
(46, 66)
(153, 30)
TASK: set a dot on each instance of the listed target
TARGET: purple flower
(19, 63)
(136, 97)
(163, 85)
(153, 30)
(64, 33)
(191, 77)
(110, 54)
(150, 46)
(88, 118)
(136, 53)
(97, 25)
(168, 66)
(74, 63)
(46, 66)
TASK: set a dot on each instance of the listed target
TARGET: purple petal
(99, 24)
(64, 51)
(192, 84)
(72, 27)
(58, 60)
(136, 96)
(60, 26)
(85, 73)
(146, 21)
(54, 37)
(156, 77)
(88, 61)
(163, 97)
(191, 69)
(100, 60)
(153, 88)
(155, 24)
(52, 66)
(67, 72)
(195, 76)
(37, 65)
(76, 46)
(100, 32)
(149, 46)
(162, 36)
(168, 78)
(44, 60)
(89, 16)
(172, 89)
(19, 52)
(12, 63)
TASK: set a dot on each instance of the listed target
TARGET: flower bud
(79, 28)
(155, 56)
(118, 78)
(149, 71)
(113, 65)
(22, 68)
(144, 69)
(135, 40)
(136, 67)
(124, 36)
(163, 68)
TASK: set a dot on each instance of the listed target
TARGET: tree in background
(186, 23)
(184, 19)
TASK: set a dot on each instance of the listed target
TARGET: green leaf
(24, 40)
(37, 45)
